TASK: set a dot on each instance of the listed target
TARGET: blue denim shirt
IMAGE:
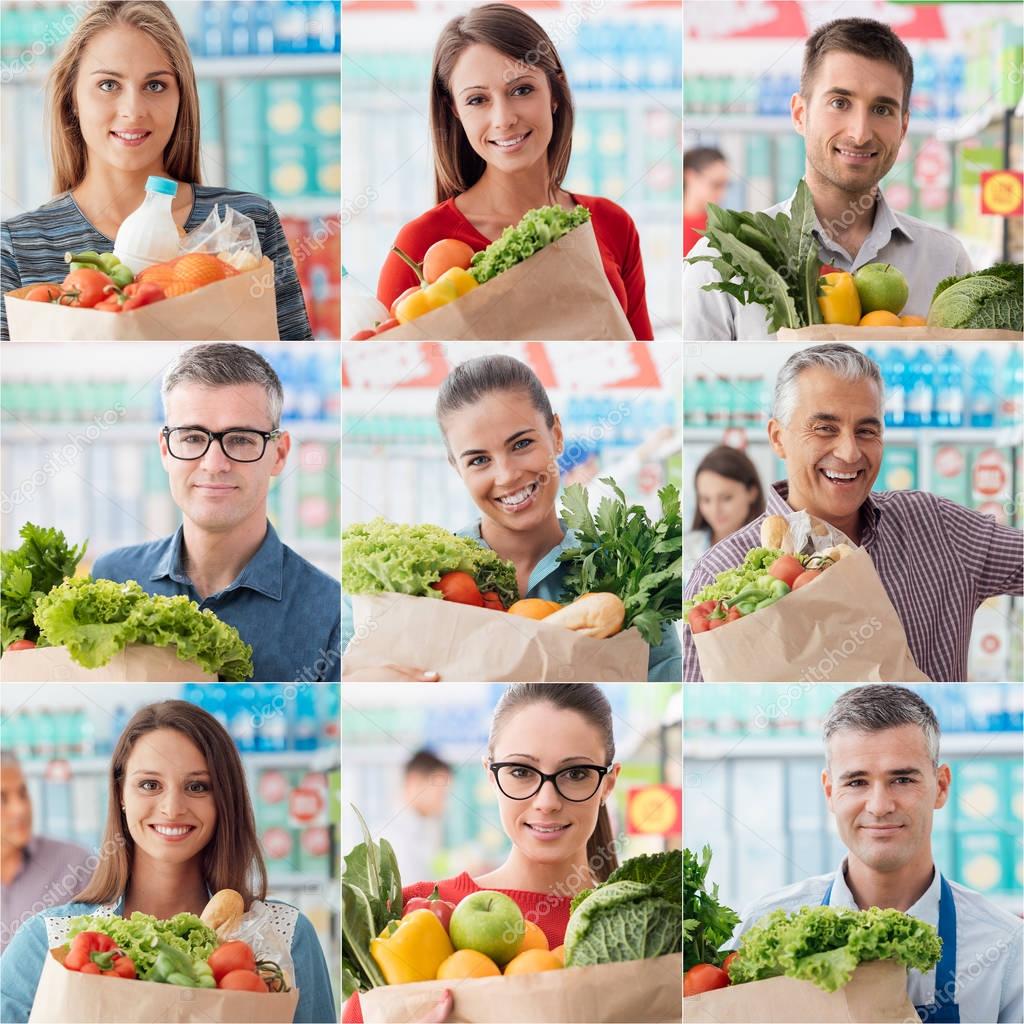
(281, 604)
(23, 960)
(665, 663)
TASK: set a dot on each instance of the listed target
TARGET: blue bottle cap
(162, 185)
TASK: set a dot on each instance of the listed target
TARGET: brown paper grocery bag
(637, 991)
(841, 332)
(466, 644)
(842, 628)
(876, 994)
(241, 308)
(137, 663)
(67, 997)
(559, 294)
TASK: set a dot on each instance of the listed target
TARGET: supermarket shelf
(776, 124)
(323, 759)
(998, 437)
(952, 745)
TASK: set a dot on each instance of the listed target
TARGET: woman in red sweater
(551, 765)
(501, 117)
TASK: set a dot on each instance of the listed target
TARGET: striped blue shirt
(34, 244)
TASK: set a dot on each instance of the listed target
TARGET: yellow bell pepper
(414, 950)
(838, 298)
(412, 306)
(441, 292)
(463, 280)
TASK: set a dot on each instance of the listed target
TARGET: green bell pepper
(778, 588)
(173, 967)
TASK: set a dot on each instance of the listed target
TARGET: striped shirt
(937, 561)
(34, 244)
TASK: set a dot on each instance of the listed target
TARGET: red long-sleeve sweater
(550, 913)
(617, 240)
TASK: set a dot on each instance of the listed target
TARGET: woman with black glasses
(551, 766)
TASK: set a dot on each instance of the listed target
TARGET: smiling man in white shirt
(883, 781)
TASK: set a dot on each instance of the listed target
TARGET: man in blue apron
(883, 782)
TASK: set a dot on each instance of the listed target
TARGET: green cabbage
(985, 300)
(381, 557)
(537, 229)
(96, 619)
(824, 945)
(623, 921)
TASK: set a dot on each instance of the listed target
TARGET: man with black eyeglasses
(220, 446)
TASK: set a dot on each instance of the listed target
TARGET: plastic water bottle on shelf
(895, 388)
(149, 235)
(921, 399)
(1011, 404)
(983, 391)
(949, 398)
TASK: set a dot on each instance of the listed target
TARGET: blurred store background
(623, 65)
(383, 726)
(954, 426)
(270, 102)
(742, 65)
(289, 743)
(752, 786)
(80, 446)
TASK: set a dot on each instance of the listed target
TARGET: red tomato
(459, 587)
(386, 325)
(232, 956)
(727, 962)
(43, 293)
(704, 978)
(362, 335)
(84, 287)
(22, 645)
(443, 255)
(243, 981)
(394, 305)
(492, 600)
(786, 568)
(807, 576)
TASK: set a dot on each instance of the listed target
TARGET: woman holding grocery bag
(551, 767)
(124, 110)
(501, 118)
(504, 439)
(179, 828)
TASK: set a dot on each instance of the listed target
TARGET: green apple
(881, 286)
(490, 923)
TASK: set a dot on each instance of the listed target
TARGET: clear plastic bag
(808, 535)
(256, 927)
(232, 238)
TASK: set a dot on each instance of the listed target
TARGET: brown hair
(67, 147)
(456, 165)
(864, 37)
(733, 465)
(701, 157)
(232, 859)
(591, 704)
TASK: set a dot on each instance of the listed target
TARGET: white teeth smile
(519, 497)
(832, 475)
(131, 136)
(552, 828)
(509, 142)
(167, 830)
(850, 152)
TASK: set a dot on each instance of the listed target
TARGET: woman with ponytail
(551, 767)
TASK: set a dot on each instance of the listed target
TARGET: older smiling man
(937, 560)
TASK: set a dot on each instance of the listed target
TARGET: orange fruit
(880, 318)
(913, 321)
(199, 268)
(172, 289)
(533, 961)
(559, 951)
(467, 963)
(444, 255)
(534, 938)
(534, 608)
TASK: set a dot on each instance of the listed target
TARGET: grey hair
(880, 706)
(221, 364)
(842, 360)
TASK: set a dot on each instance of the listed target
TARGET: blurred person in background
(705, 180)
(728, 495)
(501, 118)
(36, 872)
(417, 831)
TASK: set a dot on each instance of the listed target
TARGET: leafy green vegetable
(824, 945)
(706, 922)
(95, 619)
(620, 551)
(371, 896)
(984, 300)
(139, 934)
(775, 259)
(382, 557)
(29, 572)
(730, 582)
(662, 871)
(622, 921)
(537, 229)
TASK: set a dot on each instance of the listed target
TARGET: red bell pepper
(710, 615)
(96, 953)
(441, 909)
(142, 293)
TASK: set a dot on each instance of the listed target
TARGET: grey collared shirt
(924, 253)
